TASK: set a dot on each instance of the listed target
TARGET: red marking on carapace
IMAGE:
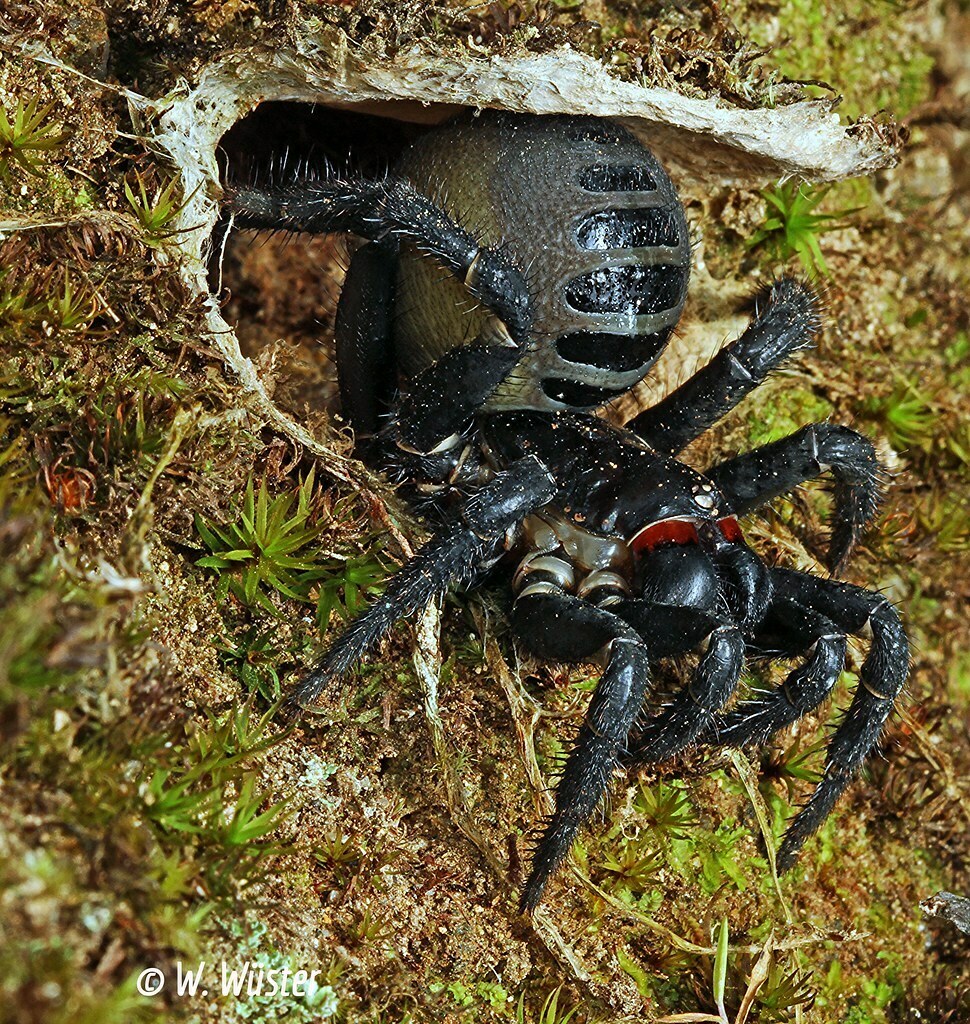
(730, 530)
(667, 531)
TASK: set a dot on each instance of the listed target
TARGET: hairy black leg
(389, 208)
(785, 321)
(442, 399)
(682, 604)
(365, 362)
(798, 629)
(882, 678)
(753, 479)
(670, 630)
(693, 707)
(745, 580)
(450, 557)
(560, 626)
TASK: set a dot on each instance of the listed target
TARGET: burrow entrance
(279, 290)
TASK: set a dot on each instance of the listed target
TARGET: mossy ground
(155, 811)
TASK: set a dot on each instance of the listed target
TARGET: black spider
(625, 555)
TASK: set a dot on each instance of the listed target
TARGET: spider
(568, 237)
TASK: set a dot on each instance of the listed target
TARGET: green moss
(793, 224)
(123, 801)
(872, 59)
(782, 409)
(25, 133)
(865, 1000)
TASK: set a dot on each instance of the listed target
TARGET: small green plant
(906, 415)
(482, 993)
(156, 214)
(633, 868)
(796, 763)
(946, 517)
(268, 549)
(204, 788)
(272, 548)
(73, 308)
(665, 809)
(372, 929)
(550, 1013)
(720, 860)
(784, 991)
(24, 134)
(792, 226)
(253, 658)
(177, 801)
(124, 427)
(19, 306)
(248, 824)
(346, 585)
(338, 852)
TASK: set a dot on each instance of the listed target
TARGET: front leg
(560, 627)
(881, 679)
(755, 478)
(694, 707)
(786, 320)
(683, 606)
(451, 556)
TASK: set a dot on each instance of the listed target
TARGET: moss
(782, 409)
(265, 986)
(875, 59)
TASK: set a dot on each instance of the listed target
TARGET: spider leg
(883, 674)
(786, 320)
(365, 362)
(693, 707)
(561, 627)
(799, 629)
(440, 400)
(682, 604)
(882, 677)
(745, 580)
(452, 555)
(389, 208)
(758, 476)
(443, 398)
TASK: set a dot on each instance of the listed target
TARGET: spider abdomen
(588, 213)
